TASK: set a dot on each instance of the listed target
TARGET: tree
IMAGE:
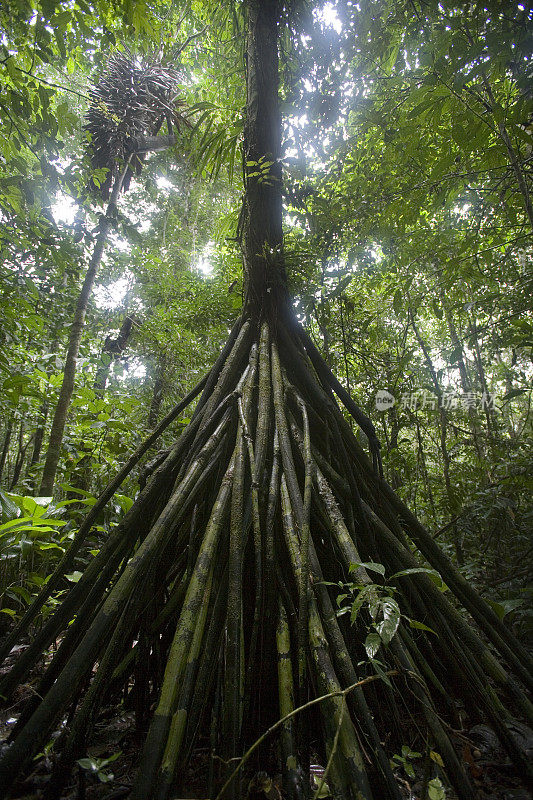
(226, 556)
(127, 109)
(412, 207)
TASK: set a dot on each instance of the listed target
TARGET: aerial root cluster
(211, 601)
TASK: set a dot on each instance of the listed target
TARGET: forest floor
(115, 735)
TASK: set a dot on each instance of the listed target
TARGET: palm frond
(131, 99)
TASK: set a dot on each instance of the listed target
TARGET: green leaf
(437, 580)
(22, 592)
(408, 753)
(414, 623)
(514, 393)
(391, 619)
(397, 301)
(357, 605)
(42, 501)
(498, 608)
(372, 644)
(437, 758)
(413, 571)
(436, 790)
(369, 565)
(49, 546)
(59, 37)
(524, 134)
(73, 489)
(14, 524)
(437, 310)
(378, 666)
(35, 580)
(105, 761)
(8, 509)
(124, 502)
(74, 576)
(504, 607)
(88, 763)
(341, 286)
(37, 530)
(26, 547)
(62, 20)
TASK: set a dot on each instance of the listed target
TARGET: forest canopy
(363, 188)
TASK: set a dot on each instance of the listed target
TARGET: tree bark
(250, 492)
(19, 461)
(5, 447)
(265, 279)
(39, 433)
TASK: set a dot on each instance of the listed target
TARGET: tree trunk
(514, 157)
(111, 351)
(5, 446)
(422, 459)
(44, 410)
(465, 381)
(158, 390)
(265, 280)
(453, 505)
(492, 425)
(76, 330)
(39, 433)
(19, 460)
(213, 599)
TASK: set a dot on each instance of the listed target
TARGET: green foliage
(34, 534)
(406, 208)
(378, 600)
(408, 245)
(32, 538)
(436, 790)
(261, 170)
(95, 767)
(404, 760)
(407, 148)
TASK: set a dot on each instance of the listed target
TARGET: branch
(188, 40)
(276, 725)
(53, 85)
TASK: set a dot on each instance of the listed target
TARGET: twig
(188, 40)
(317, 794)
(448, 524)
(276, 725)
(53, 85)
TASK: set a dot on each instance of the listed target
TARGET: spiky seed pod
(131, 99)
